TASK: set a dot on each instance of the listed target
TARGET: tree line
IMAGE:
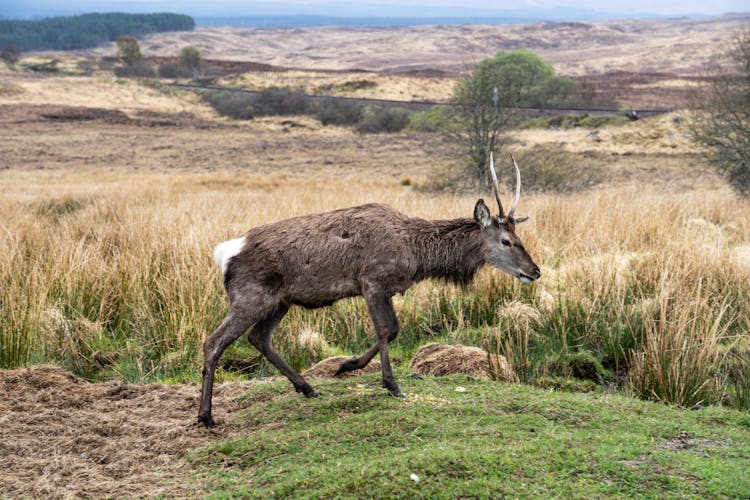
(86, 30)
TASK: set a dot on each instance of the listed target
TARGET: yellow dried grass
(441, 359)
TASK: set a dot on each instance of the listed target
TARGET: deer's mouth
(525, 278)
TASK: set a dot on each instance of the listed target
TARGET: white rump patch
(225, 251)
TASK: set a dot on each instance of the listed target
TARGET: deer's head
(503, 248)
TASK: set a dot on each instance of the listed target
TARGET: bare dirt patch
(686, 441)
(683, 441)
(61, 436)
(158, 141)
(80, 113)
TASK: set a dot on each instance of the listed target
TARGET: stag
(370, 250)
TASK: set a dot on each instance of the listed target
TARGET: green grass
(492, 440)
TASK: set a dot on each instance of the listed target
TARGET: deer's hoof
(308, 391)
(207, 421)
(395, 392)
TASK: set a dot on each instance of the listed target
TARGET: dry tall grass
(112, 275)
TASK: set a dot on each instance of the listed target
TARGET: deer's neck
(448, 249)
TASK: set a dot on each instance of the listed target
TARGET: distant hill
(87, 30)
(312, 21)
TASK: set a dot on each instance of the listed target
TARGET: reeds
(112, 276)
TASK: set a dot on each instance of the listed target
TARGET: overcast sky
(384, 8)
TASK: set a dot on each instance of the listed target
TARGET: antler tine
(518, 189)
(496, 186)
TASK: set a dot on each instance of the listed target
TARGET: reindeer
(370, 250)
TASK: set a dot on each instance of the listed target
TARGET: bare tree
(11, 54)
(486, 102)
(481, 118)
(129, 50)
(721, 118)
(190, 60)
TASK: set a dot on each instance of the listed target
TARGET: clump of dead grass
(440, 359)
(328, 367)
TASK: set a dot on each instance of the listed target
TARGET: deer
(371, 251)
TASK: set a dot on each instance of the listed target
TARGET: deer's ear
(482, 214)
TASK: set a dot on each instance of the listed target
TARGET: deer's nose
(536, 273)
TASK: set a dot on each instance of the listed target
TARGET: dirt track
(61, 436)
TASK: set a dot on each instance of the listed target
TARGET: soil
(61, 436)
(143, 140)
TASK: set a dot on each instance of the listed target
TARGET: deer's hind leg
(260, 338)
(234, 325)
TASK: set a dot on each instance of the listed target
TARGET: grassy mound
(487, 439)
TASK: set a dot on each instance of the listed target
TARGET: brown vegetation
(443, 359)
(112, 194)
(682, 46)
(61, 436)
(328, 367)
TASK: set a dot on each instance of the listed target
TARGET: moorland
(115, 190)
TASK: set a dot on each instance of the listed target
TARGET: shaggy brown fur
(370, 250)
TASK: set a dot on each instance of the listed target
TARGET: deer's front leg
(380, 306)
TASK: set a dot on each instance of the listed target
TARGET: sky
(378, 8)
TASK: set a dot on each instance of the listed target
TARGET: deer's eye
(505, 242)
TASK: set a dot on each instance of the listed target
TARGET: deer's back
(313, 260)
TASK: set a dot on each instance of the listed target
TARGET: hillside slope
(681, 46)
(62, 436)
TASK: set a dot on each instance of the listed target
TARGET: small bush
(434, 119)
(232, 104)
(45, 67)
(270, 102)
(281, 102)
(10, 54)
(556, 170)
(190, 59)
(338, 112)
(128, 50)
(384, 120)
(576, 121)
(599, 121)
(140, 69)
(514, 338)
(679, 360)
(173, 71)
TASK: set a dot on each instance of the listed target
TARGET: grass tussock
(641, 291)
